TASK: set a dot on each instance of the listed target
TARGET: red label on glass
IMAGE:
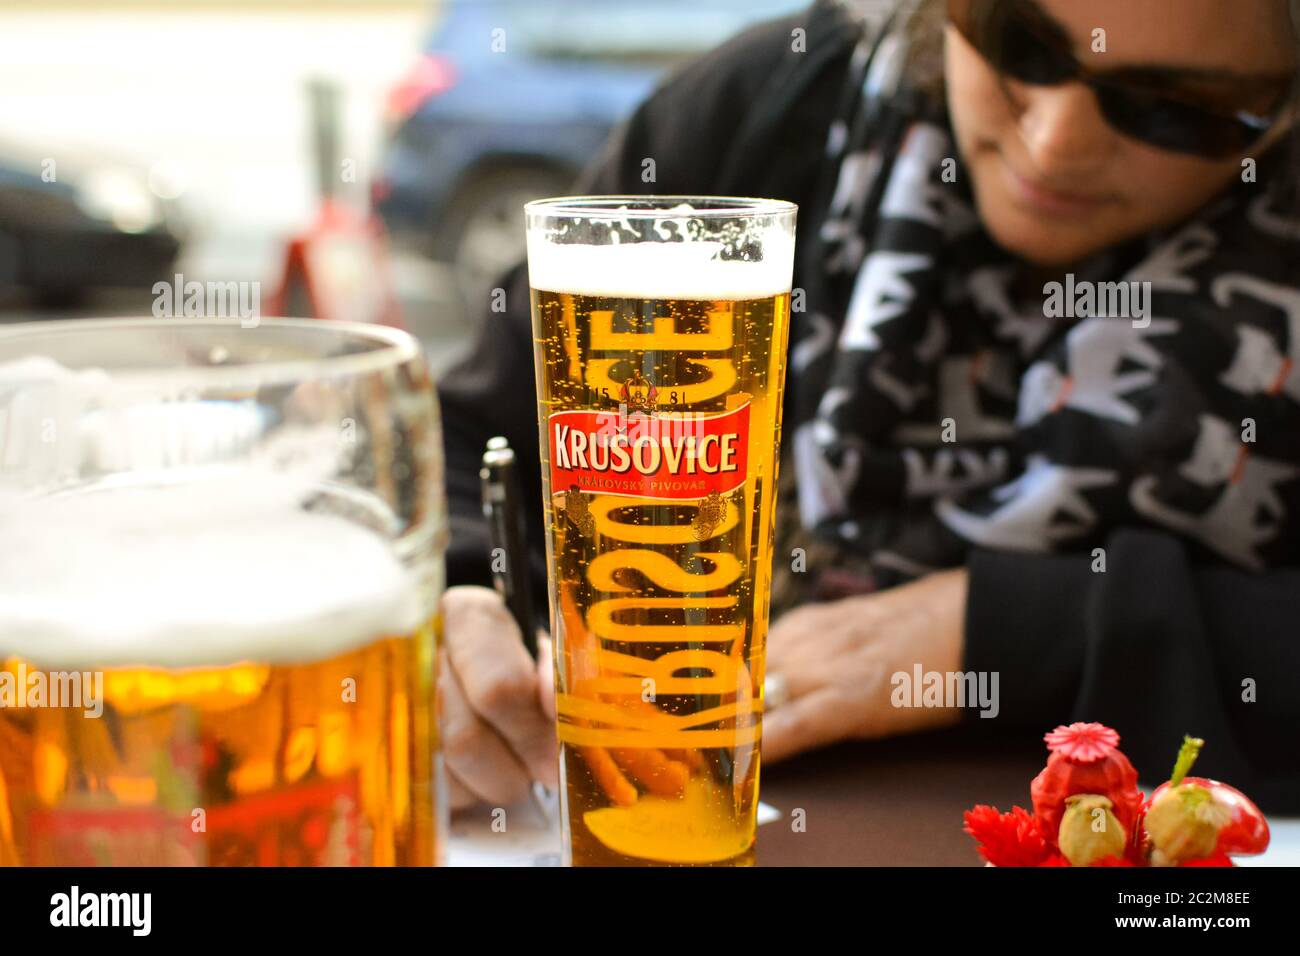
(113, 836)
(309, 824)
(680, 456)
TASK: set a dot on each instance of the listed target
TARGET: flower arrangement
(1088, 811)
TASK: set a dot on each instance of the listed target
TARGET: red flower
(1084, 759)
(1083, 743)
(1007, 839)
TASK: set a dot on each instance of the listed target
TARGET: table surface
(894, 802)
(882, 803)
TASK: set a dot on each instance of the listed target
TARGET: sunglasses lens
(1170, 125)
(1003, 34)
(1025, 55)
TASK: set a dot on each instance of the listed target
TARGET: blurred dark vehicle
(476, 131)
(61, 240)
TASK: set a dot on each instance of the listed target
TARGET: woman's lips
(1047, 200)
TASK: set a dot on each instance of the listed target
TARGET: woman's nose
(1063, 129)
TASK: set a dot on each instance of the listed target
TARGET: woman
(1043, 396)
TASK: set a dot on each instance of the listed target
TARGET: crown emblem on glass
(639, 392)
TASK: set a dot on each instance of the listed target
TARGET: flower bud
(1089, 831)
(1184, 822)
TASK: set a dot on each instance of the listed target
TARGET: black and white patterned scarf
(935, 409)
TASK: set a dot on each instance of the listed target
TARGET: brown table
(895, 802)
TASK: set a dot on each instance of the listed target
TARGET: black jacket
(1155, 645)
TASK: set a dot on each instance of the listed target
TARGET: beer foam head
(657, 270)
(203, 573)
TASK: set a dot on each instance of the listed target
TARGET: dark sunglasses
(1019, 41)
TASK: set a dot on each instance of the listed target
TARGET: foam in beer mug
(198, 573)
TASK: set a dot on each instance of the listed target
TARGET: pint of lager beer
(660, 328)
(221, 557)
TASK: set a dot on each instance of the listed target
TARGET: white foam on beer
(658, 270)
(204, 573)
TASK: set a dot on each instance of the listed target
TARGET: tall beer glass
(220, 559)
(660, 328)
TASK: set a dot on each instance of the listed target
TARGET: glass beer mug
(220, 558)
(660, 329)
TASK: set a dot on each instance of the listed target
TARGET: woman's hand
(836, 661)
(497, 705)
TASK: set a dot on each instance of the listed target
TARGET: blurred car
(486, 120)
(61, 239)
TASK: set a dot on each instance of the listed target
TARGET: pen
(509, 555)
(500, 490)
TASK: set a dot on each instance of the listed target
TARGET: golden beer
(222, 561)
(267, 700)
(660, 374)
